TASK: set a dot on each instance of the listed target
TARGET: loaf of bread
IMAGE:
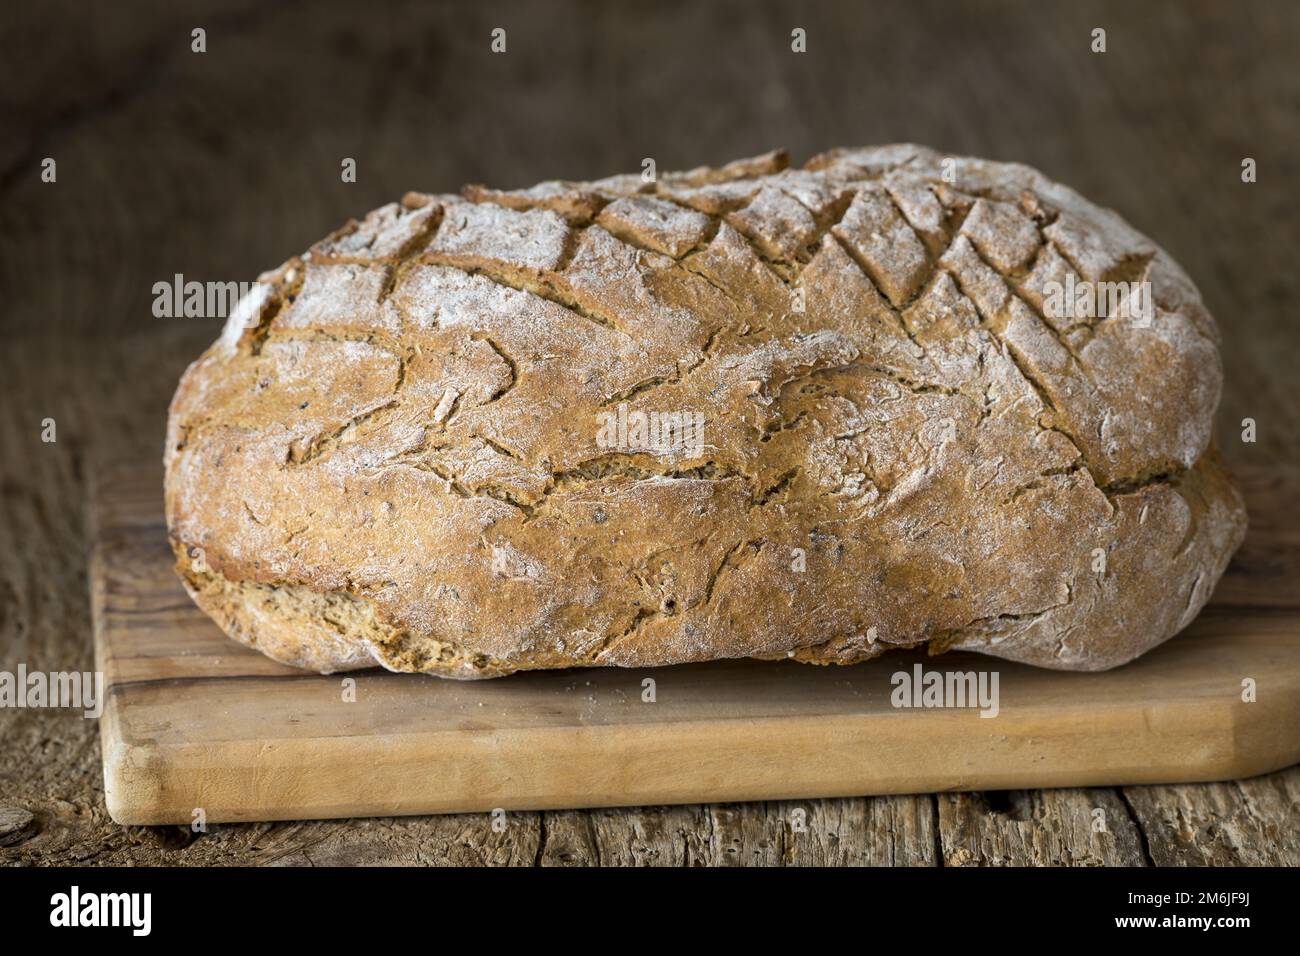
(889, 399)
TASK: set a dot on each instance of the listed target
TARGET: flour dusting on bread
(395, 455)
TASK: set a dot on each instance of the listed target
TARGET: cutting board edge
(151, 784)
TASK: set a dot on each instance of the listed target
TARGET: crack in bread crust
(401, 462)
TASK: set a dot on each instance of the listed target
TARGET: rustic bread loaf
(741, 412)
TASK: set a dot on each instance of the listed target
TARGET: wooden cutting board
(195, 721)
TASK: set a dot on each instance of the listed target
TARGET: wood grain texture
(222, 165)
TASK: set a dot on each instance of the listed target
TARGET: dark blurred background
(222, 164)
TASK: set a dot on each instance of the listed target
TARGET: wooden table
(221, 164)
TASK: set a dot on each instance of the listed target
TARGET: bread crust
(400, 459)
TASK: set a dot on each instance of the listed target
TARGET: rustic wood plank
(875, 831)
(871, 831)
(1240, 823)
(1075, 827)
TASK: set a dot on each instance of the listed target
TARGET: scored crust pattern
(398, 461)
